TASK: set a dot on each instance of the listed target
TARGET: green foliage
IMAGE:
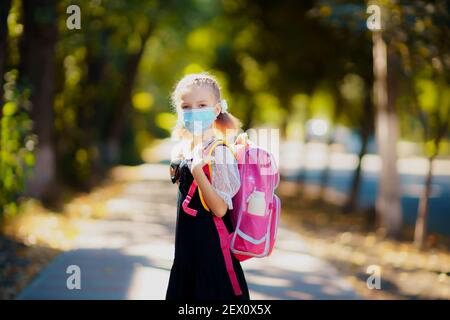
(279, 64)
(94, 104)
(16, 145)
(425, 54)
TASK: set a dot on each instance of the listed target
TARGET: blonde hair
(224, 121)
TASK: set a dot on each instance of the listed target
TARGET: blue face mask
(198, 120)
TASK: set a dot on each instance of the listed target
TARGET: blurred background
(363, 115)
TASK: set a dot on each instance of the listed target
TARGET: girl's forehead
(196, 93)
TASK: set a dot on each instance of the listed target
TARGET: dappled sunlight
(160, 251)
(148, 283)
(267, 281)
(407, 270)
(290, 273)
(38, 226)
(298, 295)
(293, 262)
(142, 172)
(311, 279)
(292, 245)
(159, 151)
(128, 207)
(284, 284)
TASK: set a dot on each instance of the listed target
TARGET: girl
(199, 269)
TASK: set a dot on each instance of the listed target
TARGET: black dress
(198, 271)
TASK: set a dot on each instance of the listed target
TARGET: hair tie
(224, 105)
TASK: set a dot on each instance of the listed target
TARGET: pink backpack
(254, 234)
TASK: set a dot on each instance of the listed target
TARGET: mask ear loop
(224, 105)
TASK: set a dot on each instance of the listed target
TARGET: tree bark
(422, 213)
(388, 204)
(301, 176)
(352, 200)
(325, 177)
(91, 105)
(421, 222)
(366, 129)
(5, 6)
(118, 122)
(37, 71)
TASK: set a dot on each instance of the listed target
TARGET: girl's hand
(198, 165)
(198, 161)
(213, 200)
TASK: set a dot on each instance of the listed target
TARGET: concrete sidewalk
(128, 254)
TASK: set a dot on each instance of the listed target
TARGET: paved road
(128, 254)
(308, 162)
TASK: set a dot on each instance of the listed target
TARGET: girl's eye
(202, 105)
(184, 107)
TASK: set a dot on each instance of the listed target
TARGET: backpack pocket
(252, 235)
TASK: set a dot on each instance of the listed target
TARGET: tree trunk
(325, 177)
(366, 129)
(422, 212)
(388, 204)
(5, 6)
(91, 105)
(123, 106)
(301, 176)
(37, 71)
(352, 200)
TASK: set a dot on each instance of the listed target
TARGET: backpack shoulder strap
(224, 236)
(224, 239)
(193, 187)
(214, 145)
(218, 143)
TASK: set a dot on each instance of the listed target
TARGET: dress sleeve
(225, 175)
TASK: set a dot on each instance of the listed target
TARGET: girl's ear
(218, 108)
